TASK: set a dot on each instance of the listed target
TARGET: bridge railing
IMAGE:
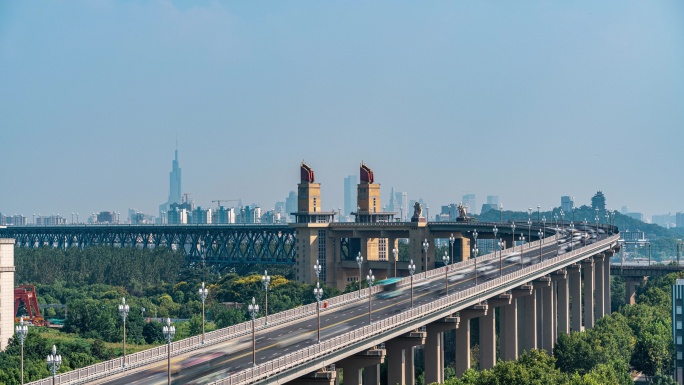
(307, 354)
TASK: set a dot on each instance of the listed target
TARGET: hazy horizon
(528, 101)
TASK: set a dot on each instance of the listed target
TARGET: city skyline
(522, 101)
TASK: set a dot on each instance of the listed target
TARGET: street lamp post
(412, 270)
(596, 218)
(266, 280)
(253, 309)
(544, 224)
(451, 246)
(475, 253)
(396, 258)
(169, 331)
(318, 293)
(555, 221)
(317, 269)
(54, 361)
(538, 213)
(123, 311)
(561, 216)
(529, 229)
(649, 253)
(445, 258)
(203, 294)
(495, 231)
(513, 237)
(500, 244)
(541, 238)
(21, 330)
(475, 237)
(522, 242)
(584, 238)
(572, 236)
(426, 245)
(500, 212)
(359, 261)
(370, 278)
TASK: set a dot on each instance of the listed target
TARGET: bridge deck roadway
(235, 355)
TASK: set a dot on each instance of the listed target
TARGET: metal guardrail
(305, 355)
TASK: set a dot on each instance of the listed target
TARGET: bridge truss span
(214, 244)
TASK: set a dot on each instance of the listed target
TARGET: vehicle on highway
(389, 287)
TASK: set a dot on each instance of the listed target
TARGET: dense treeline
(132, 268)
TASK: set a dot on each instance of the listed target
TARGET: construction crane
(224, 200)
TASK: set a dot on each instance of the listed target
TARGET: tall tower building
(175, 182)
(349, 189)
(174, 188)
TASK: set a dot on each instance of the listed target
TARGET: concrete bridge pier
(575, 286)
(546, 321)
(463, 336)
(606, 280)
(508, 324)
(563, 304)
(588, 281)
(630, 288)
(352, 366)
(434, 348)
(599, 281)
(400, 367)
(488, 330)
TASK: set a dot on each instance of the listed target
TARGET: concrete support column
(529, 322)
(353, 375)
(508, 330)
(409, 366)
(462, 347)
(463, 336)
(547, 319)
(395, 367)
(434, 355)
(600, 285)
(575, 285)
(400, 368)
(434, 348)
(371, 375)
(487, 340)
(588, 281)
(563, 306)
(353, 366)
(606, 281)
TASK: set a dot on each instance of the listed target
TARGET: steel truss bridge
(213, 244)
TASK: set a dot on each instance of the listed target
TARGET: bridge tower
(6, 291)
(312, 228)
(369, 210)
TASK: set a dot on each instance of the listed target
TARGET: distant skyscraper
(469, 200)
(350, 185)
(664, 220)
(492, 204)
(175, 182)
(566, 203)
(679, 219)
(291, 205)
(174, 187)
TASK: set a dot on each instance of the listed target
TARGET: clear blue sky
(525, 100)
